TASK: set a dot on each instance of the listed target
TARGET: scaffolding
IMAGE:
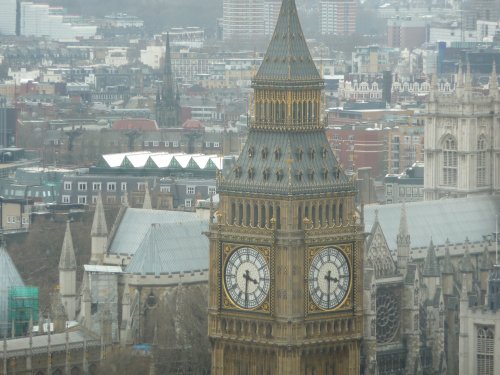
(23, 307)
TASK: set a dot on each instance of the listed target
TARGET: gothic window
(388, 314)
(416, 321)
(450, 162)
(415, 297)
(265, 152)
(481, 162)
(237, 172)
(485, 350)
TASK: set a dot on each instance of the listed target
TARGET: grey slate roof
(431, 265)
(455, 219)
(136, 222)
(9, 277)
(300, 174)
(172, 248)
(67, 261)
(287, 58)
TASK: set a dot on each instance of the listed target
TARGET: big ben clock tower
(286, 248)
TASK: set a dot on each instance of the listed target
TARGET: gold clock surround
(346, 305)
(227, 302)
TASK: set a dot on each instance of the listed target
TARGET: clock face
(247, 277)
(329, 278)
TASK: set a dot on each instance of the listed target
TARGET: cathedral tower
(99, 234)
(167, 102)
(286, 251)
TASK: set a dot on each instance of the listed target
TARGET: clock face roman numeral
(247, 278)
(329, 278)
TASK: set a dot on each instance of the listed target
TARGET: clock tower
(286, 249)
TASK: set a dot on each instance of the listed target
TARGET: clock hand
(328, 278)
(246, 276)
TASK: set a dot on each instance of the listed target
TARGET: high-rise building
(271, 13)
(286, 252)
(243, 19)
(338, 17)
(462, 141)
(8, 10)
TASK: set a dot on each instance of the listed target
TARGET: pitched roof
(172, 248)
(305, 164)
(453, 218)
(136, 222)
(287, 58)
(135, 123)
(67, 260)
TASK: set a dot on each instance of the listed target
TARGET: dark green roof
(304, 162)
(287, 59)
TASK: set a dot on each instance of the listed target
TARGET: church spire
(493, 84)
(431, 266)
(167, 102)
(67, 261)
(448, 268)
(147, 198)
(99, 226)
(403, 240)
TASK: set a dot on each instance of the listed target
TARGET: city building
(243, 20)
(462, 140)
(285, 249)
(405, 187)
(406, 33)
(8, 17)
(338, 17)
(271, 13)
(42, 20)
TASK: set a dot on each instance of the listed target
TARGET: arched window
(449, 162)
(265, 152)
(481, 162)
(485, 350)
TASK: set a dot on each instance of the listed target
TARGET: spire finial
(493, 84)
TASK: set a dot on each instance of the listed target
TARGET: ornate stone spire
(403, 239)
(431, 265)
(287, 60)
(485, 263)
(466, 265)
(99, 226)
(468, 79)
(147, 198)
(448, 268)
(493, 84)
(67, 261)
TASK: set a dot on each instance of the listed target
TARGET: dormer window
(251, 173)
(312, 153)
(324, 172)
(266, 174)
(310, 174)
(299, 175)
(237, 172)
(251, 152)
(265, 152)
(324, 153)
(279, 174)
(299, 153)
(277, 153)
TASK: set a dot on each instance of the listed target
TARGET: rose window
(388, 315)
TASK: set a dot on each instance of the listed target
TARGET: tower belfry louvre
(286, 249)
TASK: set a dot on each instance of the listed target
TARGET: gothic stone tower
(286, 252)
(167, 102)
(462, 141)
